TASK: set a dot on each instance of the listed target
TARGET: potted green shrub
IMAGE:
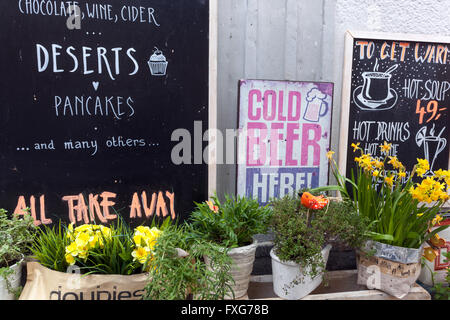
(401, 214)
(303, 237)
(232, 224)
(91, 262)
(16, 233)
(178, 270)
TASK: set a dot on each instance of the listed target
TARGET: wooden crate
(341, 286)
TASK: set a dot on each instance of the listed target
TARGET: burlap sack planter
(45, 284)
(390, 269)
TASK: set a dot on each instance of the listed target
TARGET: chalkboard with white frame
(396, 88)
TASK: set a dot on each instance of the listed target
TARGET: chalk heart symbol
(95, 84)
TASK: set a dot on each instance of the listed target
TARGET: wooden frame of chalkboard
(213, 43)
(394, 49)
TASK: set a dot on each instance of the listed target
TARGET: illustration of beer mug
(315, 109)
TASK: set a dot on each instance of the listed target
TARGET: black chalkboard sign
(90, 96)
(396, 89)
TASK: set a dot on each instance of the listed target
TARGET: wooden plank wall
(269, 39)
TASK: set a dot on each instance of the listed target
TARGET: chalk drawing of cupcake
(158, 63)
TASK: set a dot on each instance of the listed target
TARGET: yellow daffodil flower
(423, 163)
(422, 167)
(385, 147)
(378, 164)
(396, 164)
(330, 155)
(436, 220)
(355, 146)
(389, 180)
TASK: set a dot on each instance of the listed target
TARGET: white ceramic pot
(285, 272)
(241, 269)
(14, 280)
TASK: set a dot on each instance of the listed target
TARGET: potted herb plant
(232, 224)
(178, 270)
(91, 262)
(401, 213)
(16, 233)
(305, 228)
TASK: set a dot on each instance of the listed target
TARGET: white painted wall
(303, 40)
(268, 39)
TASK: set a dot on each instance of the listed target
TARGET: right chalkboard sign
(396, 88)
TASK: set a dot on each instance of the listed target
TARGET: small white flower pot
(286, 276)
(14, 280)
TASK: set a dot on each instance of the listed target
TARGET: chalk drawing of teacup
(376, 92)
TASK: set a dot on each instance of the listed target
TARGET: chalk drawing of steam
(317, 107)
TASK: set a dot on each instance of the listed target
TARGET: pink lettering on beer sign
(284, 136)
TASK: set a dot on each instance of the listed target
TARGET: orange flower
(437, 241)
(313, 202)
(212, 206)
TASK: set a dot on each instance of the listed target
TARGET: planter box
(341, 286)
(45, 284)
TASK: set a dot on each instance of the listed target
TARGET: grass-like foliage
(172, 277)
(231, 223)
(49, 247)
